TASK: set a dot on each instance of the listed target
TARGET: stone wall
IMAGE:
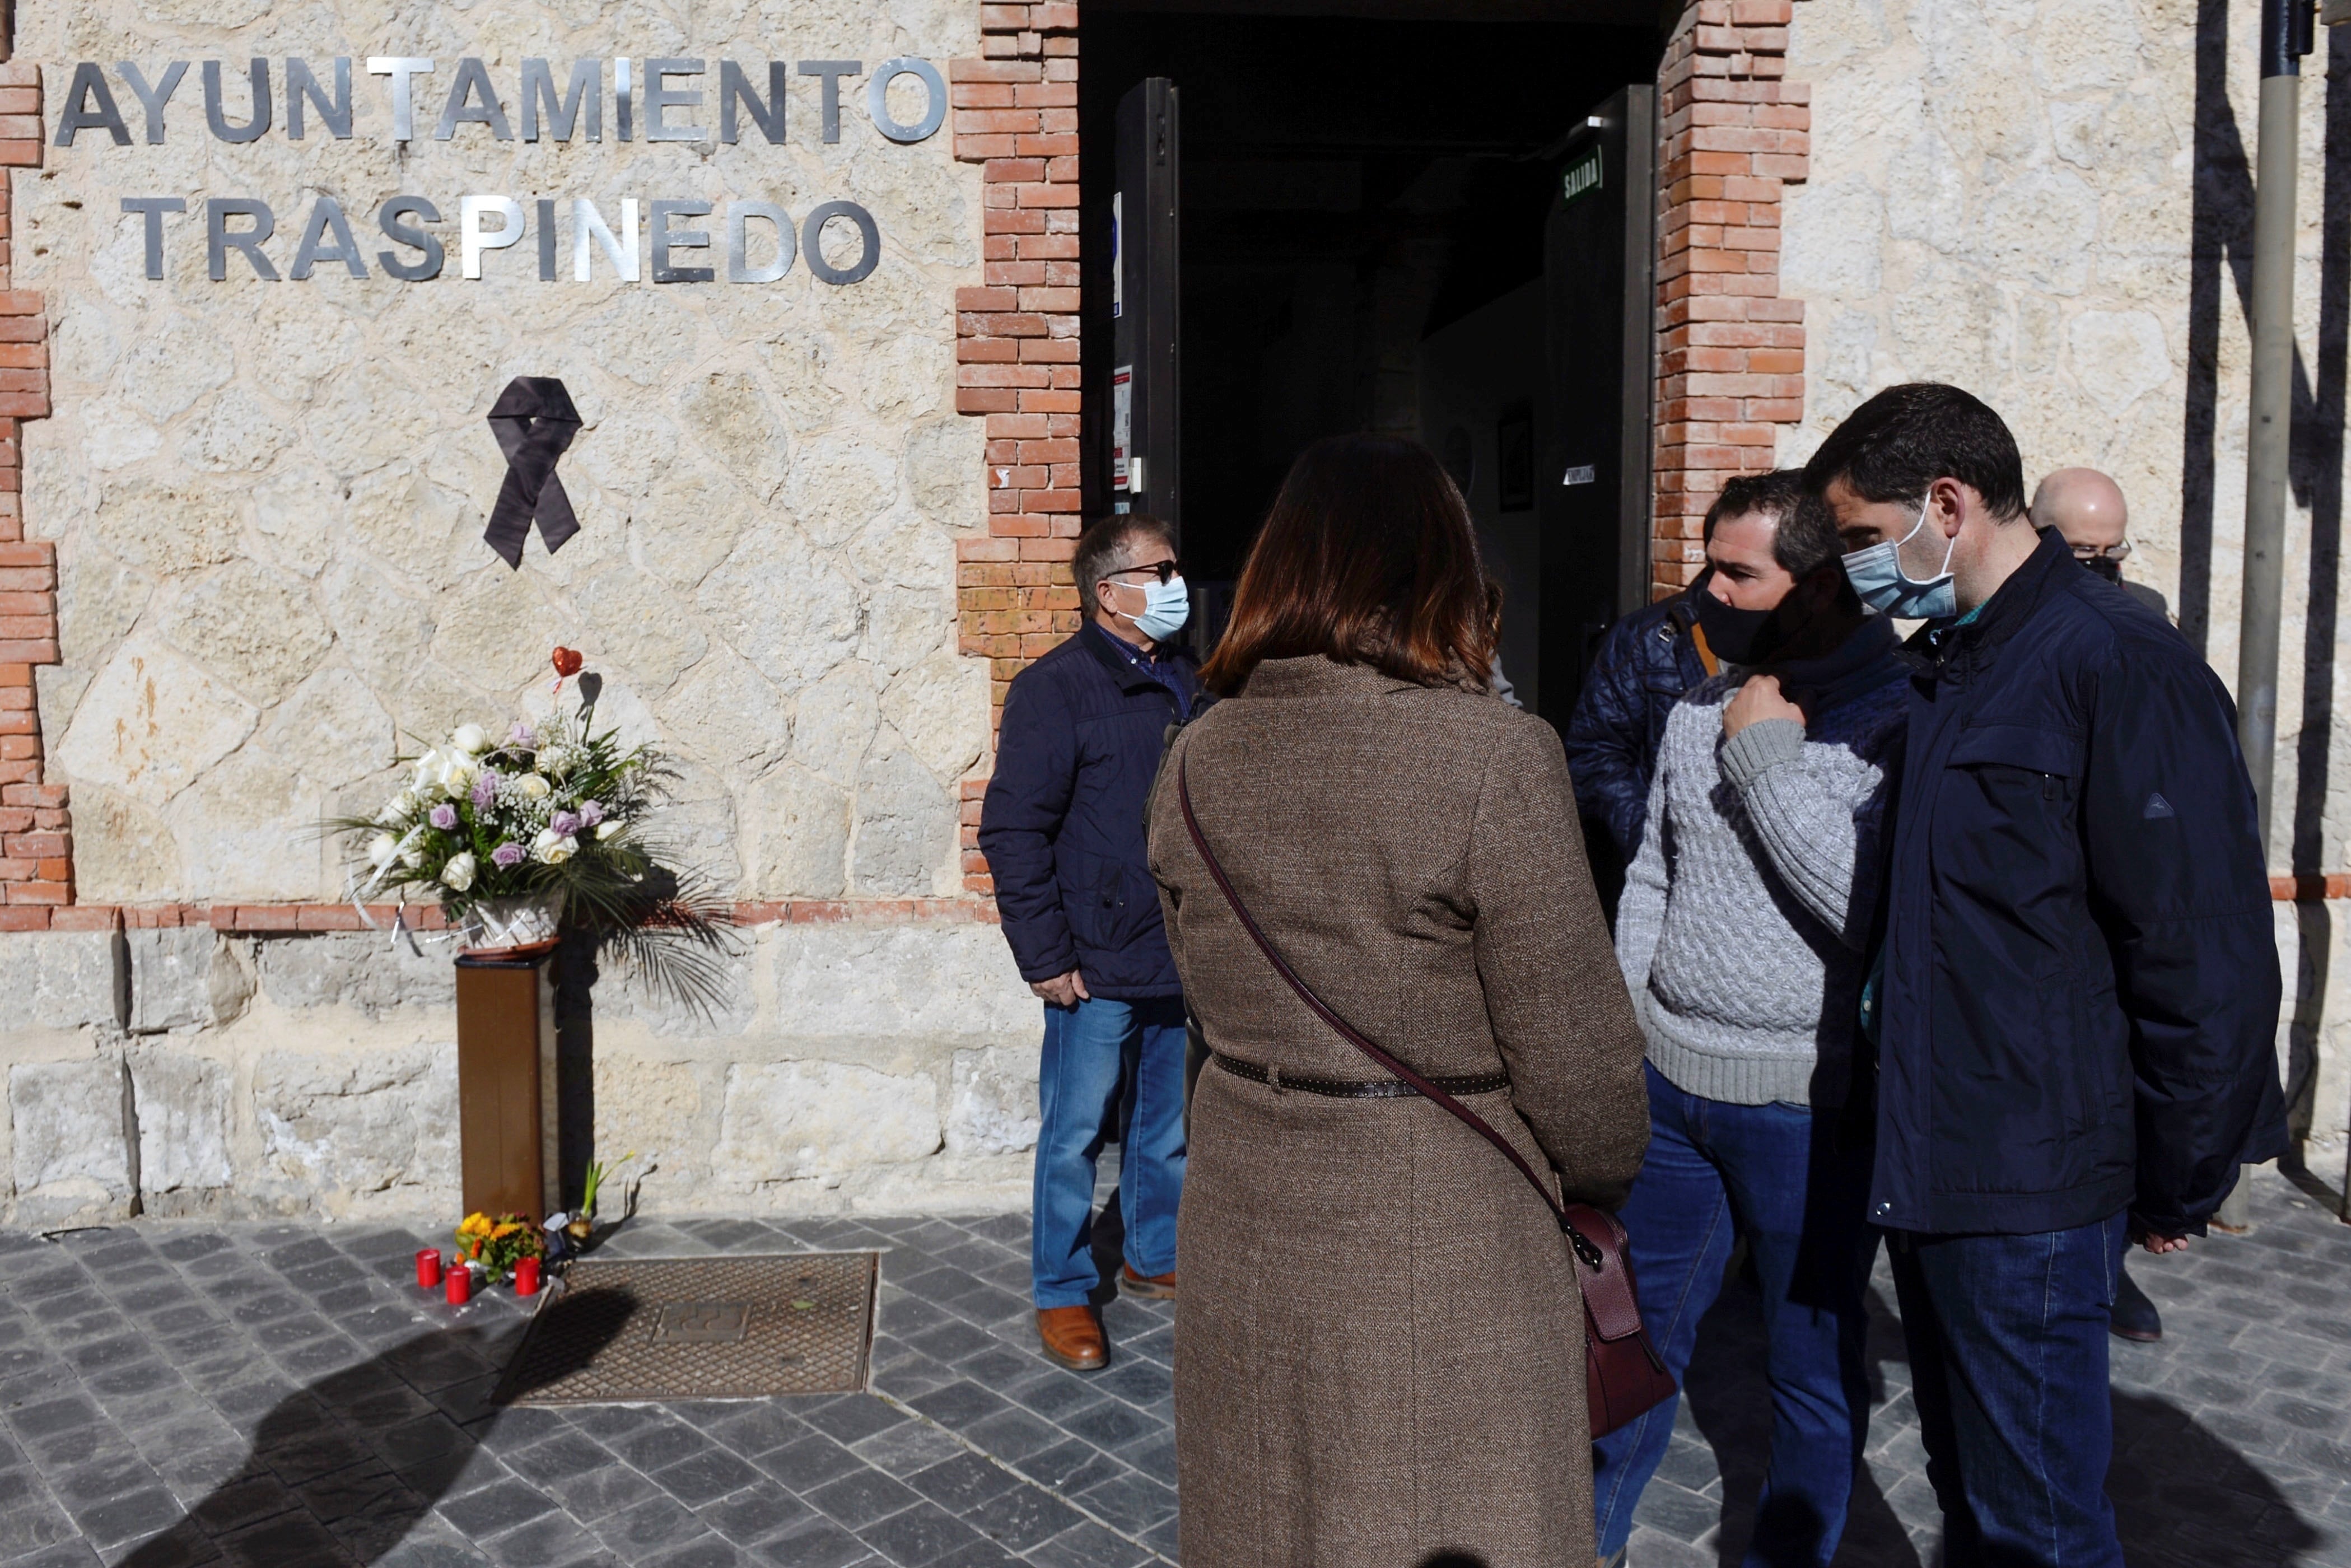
(2051, 204)
(267, 497)
(264, 502)
(886, 1065)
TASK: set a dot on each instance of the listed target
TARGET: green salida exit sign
(1583, 176)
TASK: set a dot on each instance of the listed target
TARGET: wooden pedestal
(506, 1086)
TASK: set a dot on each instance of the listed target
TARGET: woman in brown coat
(1379, 1356)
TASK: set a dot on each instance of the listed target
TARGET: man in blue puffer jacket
(1063, 829)
(2076, 1001)
(1646, 663)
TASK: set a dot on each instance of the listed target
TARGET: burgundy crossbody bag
(1623, 1373)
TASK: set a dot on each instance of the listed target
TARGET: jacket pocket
(1099, 899)
(2010, 1048)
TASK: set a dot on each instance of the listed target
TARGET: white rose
(532, 787)
(381, 848)
(457, 778)
(459, 874)
(470, 738)
(607, 828)
(553, 848)
(399, 806)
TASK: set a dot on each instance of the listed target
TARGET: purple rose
(444, 817)
(566, 822)
(590, 814)
(507, 855)
(486, 789)
(523, 735)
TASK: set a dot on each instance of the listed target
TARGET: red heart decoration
(567, 662)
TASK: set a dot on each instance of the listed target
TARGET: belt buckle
(1273, 1078)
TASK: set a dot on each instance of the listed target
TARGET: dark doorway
(1368, 210)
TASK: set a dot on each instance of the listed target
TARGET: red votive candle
(461, 1285)
(428, 1267)
(525, 1278)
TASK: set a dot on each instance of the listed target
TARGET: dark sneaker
(2135, 1317)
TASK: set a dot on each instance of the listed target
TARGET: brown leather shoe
(1072, 1338)
(1151, 1287)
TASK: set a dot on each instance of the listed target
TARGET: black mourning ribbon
(534, 422)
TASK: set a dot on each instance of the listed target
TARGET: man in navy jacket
(2077, 993)
(1063, 829)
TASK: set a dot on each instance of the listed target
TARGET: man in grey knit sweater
(1744, 934)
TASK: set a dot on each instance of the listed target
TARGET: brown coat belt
(1275, 1079)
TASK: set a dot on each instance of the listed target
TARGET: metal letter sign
(642, 98)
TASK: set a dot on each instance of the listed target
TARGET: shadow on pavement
(341, 1470)
(2183, 1497)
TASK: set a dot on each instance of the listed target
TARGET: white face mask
(1165, 606)
(1877, 575)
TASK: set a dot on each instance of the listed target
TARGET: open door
(1146, 460)
(1592, 481)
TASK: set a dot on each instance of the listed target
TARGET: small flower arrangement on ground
(556, 819)
(497, 1245)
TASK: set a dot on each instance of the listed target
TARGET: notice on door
(1121, 424)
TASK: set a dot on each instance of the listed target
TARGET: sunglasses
(2115, 551)
(1166, 570)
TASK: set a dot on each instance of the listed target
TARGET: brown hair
(1368, 557)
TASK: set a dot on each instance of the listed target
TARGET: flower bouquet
(497, 1245)
(546, 831)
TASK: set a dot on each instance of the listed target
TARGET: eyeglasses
(2114, 552)
(1164, 570)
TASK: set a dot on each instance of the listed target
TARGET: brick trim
(36, 832)
(260, 918)
(1016, 115)
(1734, 134)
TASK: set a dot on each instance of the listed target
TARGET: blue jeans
(1105, 1059)
(1776, 1173)
(2008, 1366)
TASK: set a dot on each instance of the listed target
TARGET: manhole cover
(699, 1328)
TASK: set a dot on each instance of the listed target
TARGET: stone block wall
(265, 498)
(856, 1063)
(258, 576)
(2051, 205)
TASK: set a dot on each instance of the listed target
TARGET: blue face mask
(1877, 575)
(1165, 606)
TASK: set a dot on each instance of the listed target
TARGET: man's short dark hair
(1804, 534)
(1105, 542)
(1900, 442)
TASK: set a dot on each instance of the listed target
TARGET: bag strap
(1589, 1254)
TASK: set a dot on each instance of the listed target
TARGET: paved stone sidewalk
(178, 1393)
(285, 1395)
(2233, 1437)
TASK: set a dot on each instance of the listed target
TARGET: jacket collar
(1954, 651)
(1317, 676)
(1131, 676)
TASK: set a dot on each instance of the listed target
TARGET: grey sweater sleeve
(1815, 810)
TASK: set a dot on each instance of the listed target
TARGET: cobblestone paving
(2233, 1437)
(174, 1393)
